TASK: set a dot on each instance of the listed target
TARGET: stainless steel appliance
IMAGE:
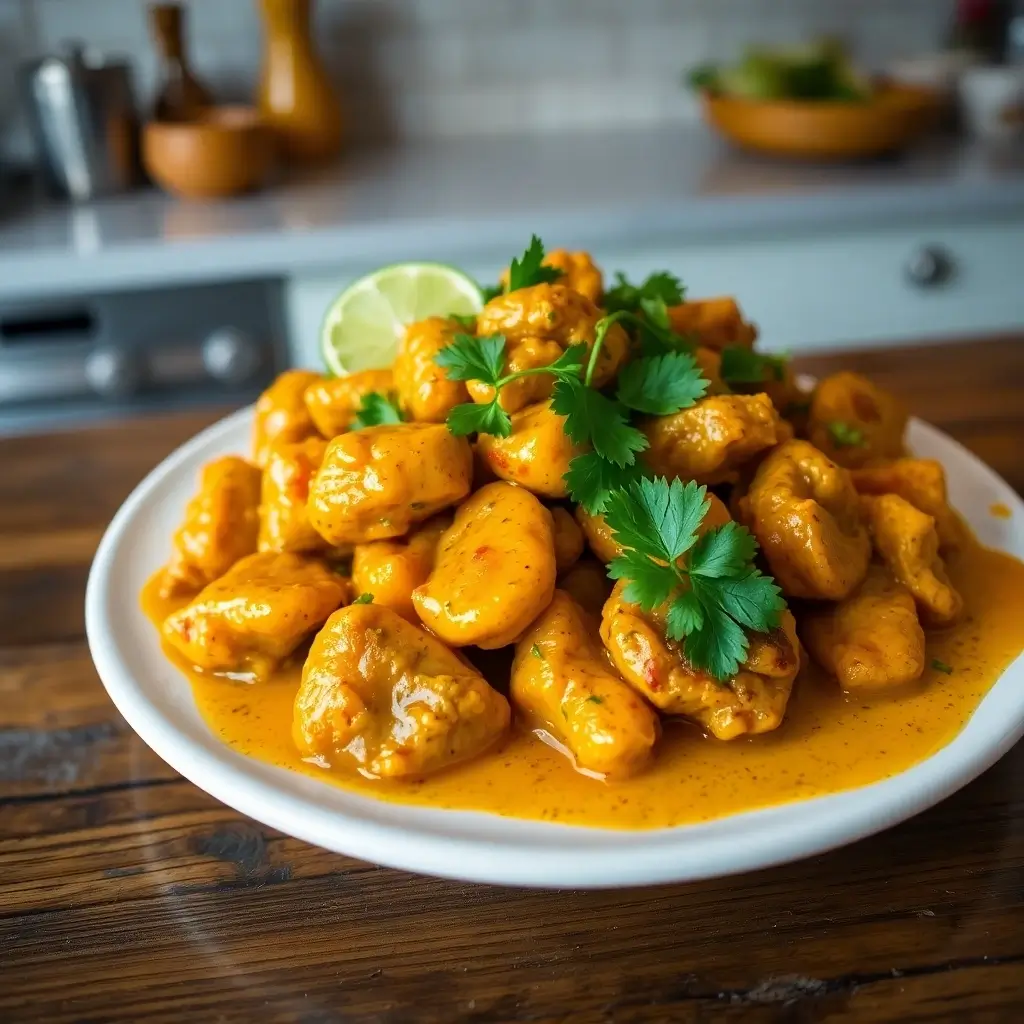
(88, 357)
(84, 120)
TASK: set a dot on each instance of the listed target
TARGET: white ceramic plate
(157, 703)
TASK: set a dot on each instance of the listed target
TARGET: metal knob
(231, 356)
(929, 266)
(113, 372)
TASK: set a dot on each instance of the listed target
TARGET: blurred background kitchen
(186, 187)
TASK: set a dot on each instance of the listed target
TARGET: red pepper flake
(481, 551)
(651, 676)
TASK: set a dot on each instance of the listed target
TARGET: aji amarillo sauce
(828, 742)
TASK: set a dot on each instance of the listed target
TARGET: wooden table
(126, 894)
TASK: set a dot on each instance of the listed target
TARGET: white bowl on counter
(992, 100)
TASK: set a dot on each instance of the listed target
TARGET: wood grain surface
(126, 894)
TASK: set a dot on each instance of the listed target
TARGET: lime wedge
(365, 322)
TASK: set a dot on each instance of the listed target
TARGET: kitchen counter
(127, 894)
(476, 200)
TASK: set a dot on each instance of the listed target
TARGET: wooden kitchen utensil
(180, 95)
(295, 94)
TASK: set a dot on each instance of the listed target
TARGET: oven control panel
(158, 346)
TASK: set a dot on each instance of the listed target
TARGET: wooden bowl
(897, 115)
(226, 151)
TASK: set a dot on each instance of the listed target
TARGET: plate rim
(426, 841)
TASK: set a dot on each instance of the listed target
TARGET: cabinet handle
(929, 266)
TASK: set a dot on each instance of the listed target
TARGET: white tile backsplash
(462, 67)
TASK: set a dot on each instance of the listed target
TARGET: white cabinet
(852, 290)
(813, 292)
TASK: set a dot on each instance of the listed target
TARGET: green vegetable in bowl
(815, 72)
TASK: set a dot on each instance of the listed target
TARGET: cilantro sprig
(659, 286)
(483, 359)
(529, 268)
(708, 586)
(376, 410)
(659, 384)
(743, 366)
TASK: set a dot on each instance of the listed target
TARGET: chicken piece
(922, 482)
(375, 483)
(710, 440)
(391, 570)
(281, 413)
(714, 323)
(220, 527)
(579, 272)
(603, 544)
(871, 640)
(495, 569)
(587, 583)
(804, 512)
(908, 543)
(753, 701)
(538, 324)
(564, 686)
(384, 697)
(535, 455)
(568, 539)
(598, 535)
(334, 402)
(284, 520)
(425, 393)
(709, 362)
(854, 422)
(247, 622)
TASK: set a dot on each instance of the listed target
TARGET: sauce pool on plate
(828, 742)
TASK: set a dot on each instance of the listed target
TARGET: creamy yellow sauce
(828, 742)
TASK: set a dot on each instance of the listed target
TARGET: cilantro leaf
(655, 310)
(845, 435)
(490, 291)
(591, 417)
(657, 517)
(469, 358)
(529, 270)
(470, 418)
(723, 551)
(467, 320)
(940, 666)
(649, 584)
(537, 653)
(590, 479)
(661, 385)
(659, 285)
(741, 365)
(365, 598)
(714, 589)
(572, 360)
(684, 615)
(375, 410)
(665, 286)
(752, 599)
(719, 645)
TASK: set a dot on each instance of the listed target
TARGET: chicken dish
(587, 541)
